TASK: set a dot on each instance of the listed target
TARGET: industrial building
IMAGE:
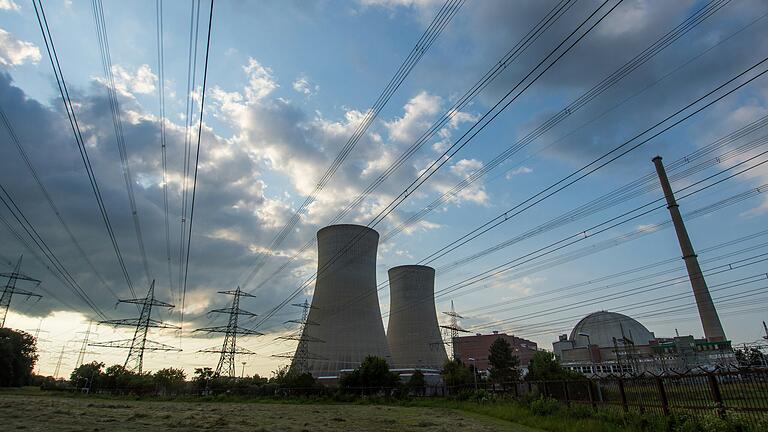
(413, 333)
(476, 348)
(345, 314)
(607, 342)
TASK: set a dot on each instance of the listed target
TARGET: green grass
(26, 409)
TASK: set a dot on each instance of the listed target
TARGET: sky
(288, 84)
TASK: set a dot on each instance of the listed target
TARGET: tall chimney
(713, 330)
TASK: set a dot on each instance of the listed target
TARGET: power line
(64, 92)
(494, 72)
(197, 162)
(487, 118)
(161, 97)
(22, 152)
(30, 229)
(114, 108)
(596, 164)
(636, 62)
(439, 22)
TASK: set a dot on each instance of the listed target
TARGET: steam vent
(413, 332)
(345, 314)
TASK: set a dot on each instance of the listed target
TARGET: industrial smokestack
(413, 332)
(345, 305)
(713, 330)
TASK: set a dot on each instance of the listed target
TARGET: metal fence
(740, 393)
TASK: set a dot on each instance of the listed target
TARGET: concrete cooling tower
(345, 314)
(413, 332)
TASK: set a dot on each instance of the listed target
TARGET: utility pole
(454, 329)
(242, 371)
(301, 357)
(710, 321)
(58, 362)
(229, 348)
(10, 289)
(765, 327)
(139, 343)
(84, 346)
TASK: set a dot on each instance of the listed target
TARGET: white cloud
(418, 114)
(14, 52)
(519, 170)
(9, 5)
(260, 80)
(304, 86)
(128, 83)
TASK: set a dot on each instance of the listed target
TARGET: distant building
(608, 342)
(477, 347)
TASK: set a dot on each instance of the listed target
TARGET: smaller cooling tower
(413, 333)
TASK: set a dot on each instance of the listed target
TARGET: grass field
(41, 412)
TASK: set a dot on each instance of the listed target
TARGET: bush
(544, 406)
(371, 377)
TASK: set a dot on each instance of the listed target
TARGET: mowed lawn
(57, 413)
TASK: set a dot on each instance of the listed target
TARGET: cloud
(303, 86)
(9, 5)
(517, 171)
(260, 81)
(14, 52)
(128, 83)
(419, 113)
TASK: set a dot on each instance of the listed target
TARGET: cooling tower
(413, 333)
(345, 314)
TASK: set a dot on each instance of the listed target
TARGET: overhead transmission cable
(461, 142)
(605, 159)
(69, 107)
(630, 66)
(494, 72)
(41, 244)
(197, 164)
(435, 28)
(163, 149)
(114, 109)
(28, 163)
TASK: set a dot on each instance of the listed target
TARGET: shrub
(544, 406)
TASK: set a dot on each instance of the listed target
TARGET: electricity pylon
(454, 329)
(139, 343)
(10, 289)
(84, 346)
(229, 348)
(300, 358)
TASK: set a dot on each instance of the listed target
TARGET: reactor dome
(603, 326)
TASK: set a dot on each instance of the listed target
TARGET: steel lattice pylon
(10, 289)
(231, 330)
(300, 358)
(454, 329)
(139, 343)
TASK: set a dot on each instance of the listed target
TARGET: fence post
(716, 395)
(663, 396)
(544, 391)
(591, 396)
(623, 395)
(565, 393)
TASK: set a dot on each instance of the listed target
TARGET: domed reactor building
(345, 316)
(413, 332)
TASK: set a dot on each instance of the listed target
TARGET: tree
(455, 373)
(544, 366)
(371, 376)
(750, 357)
(504, 366)
(202, 378)
(17, 357)
(417, 383)
(169, 380)
(88, 375)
